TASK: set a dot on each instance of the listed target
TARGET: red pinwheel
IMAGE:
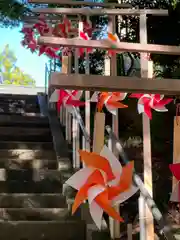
(84, 36)
(29, 40)
(147, 102)
(49, 51)
(67, 98)
(175, 169)
(87, 28)
(42, 27)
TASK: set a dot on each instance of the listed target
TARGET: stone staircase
(31, 202)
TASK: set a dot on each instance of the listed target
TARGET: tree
(12, 12)
(10, 73)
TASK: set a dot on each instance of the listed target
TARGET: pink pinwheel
(147, 102)
(67, 98)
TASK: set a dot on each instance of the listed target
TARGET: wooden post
(99, 128)
(114, 225)
(176, 148)
(75, 130)
(98, 138)
(86, 144)
(65, 66)
(146, 71)
(69, 115)
(66, 63)
(129, 231)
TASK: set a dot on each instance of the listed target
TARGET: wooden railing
(79, 135)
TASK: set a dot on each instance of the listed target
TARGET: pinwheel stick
(98, 137)
(165, 230)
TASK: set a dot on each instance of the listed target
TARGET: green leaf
(11, 73)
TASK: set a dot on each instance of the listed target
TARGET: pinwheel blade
(175, 169)
(94, 160)
(125, 195)
(103, 201)
(94, 97)
(94, 181)
(175, 196)
(114, 162)
(161, 109)
(54, 96)
(140, 108)
(78, 179)
(96, 213)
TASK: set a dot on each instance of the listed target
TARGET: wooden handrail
(115, 83)
(104, 44)
(100, 11)
(82, 3)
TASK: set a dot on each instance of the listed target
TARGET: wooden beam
(35, 19)
(115, 83)
(105, 45)
(82, 3)
(100, 11)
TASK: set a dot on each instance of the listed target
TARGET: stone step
(26, 145)
(19, 163)
(26, 138)
(21, 131)
(29, 174)
(15, 107)
(32, 200)
(24, 120)
(27, 154)
(16, 97)
(56, 230)
(34, 214)
(42, 186)
(22, 101)
(25, 134)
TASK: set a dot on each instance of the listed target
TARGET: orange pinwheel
(103, 182)
(110, 100)
(113, 38)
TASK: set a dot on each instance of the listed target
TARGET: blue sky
(29, 63)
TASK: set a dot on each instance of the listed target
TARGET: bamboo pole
(146, 219)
